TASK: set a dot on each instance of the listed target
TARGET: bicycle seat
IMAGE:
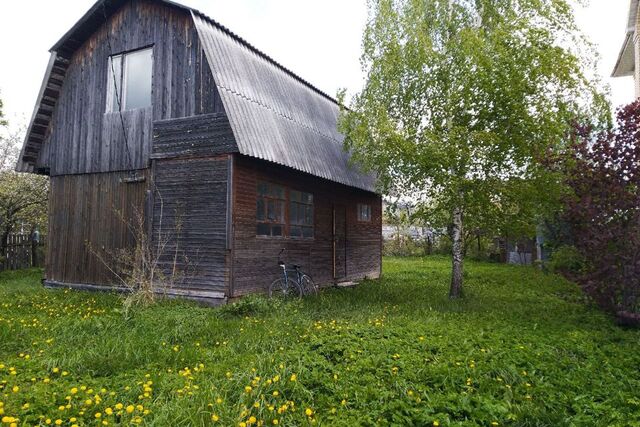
(296, 266)
(280, 263)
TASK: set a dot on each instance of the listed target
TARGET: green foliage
(568, 260)
(250, 305)
(403, 247)
(23, 198)
(462, 100)
(523, 351)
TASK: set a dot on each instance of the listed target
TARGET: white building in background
(628, 63)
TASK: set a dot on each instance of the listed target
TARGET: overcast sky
(317, 39)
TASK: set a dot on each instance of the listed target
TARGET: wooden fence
(22, 251)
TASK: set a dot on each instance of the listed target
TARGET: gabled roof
(625, 65)
(275, 115)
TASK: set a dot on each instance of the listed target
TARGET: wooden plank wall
(190, 221)
(194, 136)
(88, 214)
(83, 137)
(255, 257)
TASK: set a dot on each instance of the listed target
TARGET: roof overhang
(625, 65)
(92, 19)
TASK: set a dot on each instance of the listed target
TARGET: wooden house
(150, 106)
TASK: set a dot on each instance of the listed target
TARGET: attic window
(129, 85)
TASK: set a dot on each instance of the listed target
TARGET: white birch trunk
(458, 245)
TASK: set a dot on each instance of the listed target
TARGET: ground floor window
(270, 213)
(364, 212)
(300, 214)
(282, 212)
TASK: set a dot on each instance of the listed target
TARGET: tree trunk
(458, 248)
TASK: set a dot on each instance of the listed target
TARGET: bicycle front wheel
(289, 289)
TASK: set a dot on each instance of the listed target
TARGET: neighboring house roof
(625, 65)
(275, 115)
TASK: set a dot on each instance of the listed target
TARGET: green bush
(566, 259)
(403, 247)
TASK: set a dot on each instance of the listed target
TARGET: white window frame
(112, 101)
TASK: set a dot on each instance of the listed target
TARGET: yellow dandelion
(215, 418)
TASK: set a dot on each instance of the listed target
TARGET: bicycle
(305, 281)
(285, 286)
(300, 285)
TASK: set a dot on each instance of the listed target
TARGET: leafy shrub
(567, 259)
(405, 246)
(251, 305)
(602, 169)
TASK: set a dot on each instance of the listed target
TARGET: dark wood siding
(190, 217)
(85, 139)
(88, 214)
(194, 136)
(255, 258)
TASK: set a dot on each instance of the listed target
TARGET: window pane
(308, 217)
(263, 189)
(276, 230)
(263, 229)
(364, 212)
(260, 209)
(277, 192)
(138, 76)
(293, 213)
(114, 84)
(295, 196)
(307, 232)
(295, 231)
(271, 210)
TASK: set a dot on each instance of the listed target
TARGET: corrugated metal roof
(275, 115)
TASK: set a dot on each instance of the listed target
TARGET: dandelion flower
(214, 418)
(308, 412)
(130, 409)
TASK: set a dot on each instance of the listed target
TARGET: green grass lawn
(521, 349)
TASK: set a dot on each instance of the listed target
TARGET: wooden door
(339, 242)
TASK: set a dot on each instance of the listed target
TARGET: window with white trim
(130, 75)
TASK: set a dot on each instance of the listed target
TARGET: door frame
(334, 243)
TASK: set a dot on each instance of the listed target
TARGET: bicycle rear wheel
(308, 286)
(289, 289)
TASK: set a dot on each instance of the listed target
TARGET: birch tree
(461, 100)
